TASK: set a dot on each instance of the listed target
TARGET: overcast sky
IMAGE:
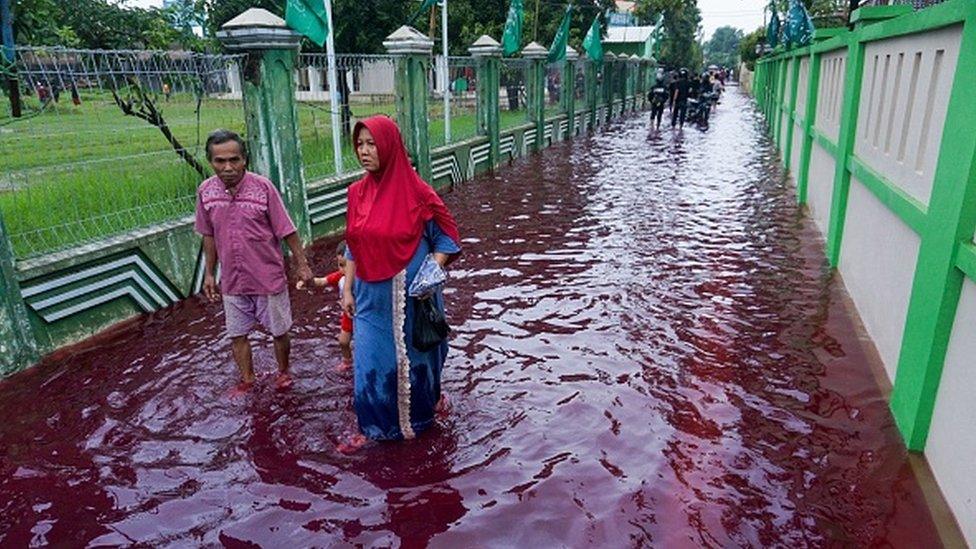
(744, 14)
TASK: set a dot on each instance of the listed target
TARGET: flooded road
(648, 350)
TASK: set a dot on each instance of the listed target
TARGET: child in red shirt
(337, 280)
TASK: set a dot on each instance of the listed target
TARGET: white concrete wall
(795, 151)
(820, 186)
(803, 80)
(830, 94)
(904, 99)
(951, 447)
(877, 260)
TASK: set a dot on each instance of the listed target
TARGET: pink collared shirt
(248, 227)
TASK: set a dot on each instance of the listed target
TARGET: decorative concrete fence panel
(904, 97)
(831, 93)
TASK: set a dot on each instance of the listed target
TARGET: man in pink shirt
(243, 221)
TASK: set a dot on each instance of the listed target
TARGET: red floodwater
(648, 350)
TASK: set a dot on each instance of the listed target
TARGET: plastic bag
(429, 325)
(430, 277)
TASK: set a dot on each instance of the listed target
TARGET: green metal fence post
(609, 74)
(591, 92)
(411, 50)
(568, 97)
(790, 112)
(633, 91)
(535, 89)
(488, 53)
(809, 116)
(18, 347)
(949, 224)
(269, 105)
(623, 73)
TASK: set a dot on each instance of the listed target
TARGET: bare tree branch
(143, 107)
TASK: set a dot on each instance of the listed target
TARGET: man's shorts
(242, 312)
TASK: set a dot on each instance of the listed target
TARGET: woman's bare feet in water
(344, 366)
(443, 407)
(352, 443)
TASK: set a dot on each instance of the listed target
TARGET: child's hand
(300, 285)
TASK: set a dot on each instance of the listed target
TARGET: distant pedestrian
(658, 98)
(679, 99)
(75, 97)
(167, 91)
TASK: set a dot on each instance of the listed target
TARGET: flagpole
(446, 85)
(333, 88)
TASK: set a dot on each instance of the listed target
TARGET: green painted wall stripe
(809, 117)
(909, 210)
(966, 259)
(791, 114)
(845, 147)
(931, 18)
(825, 142)
(938, 283)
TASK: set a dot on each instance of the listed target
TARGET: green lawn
(73, 174)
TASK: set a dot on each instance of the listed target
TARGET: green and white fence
(875, 126)
(96, 205)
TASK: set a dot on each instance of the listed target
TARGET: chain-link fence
(365, 85)
(579, 83)
(458, 81)
(554, 88)
(511, 98)
(108, 141)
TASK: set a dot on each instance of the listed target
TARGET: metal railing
(108, 141)
(512, 98)
(366, 86)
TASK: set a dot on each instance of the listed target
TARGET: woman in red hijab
(394, 220)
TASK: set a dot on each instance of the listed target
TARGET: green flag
(593, 42)
(424, 6)
(799, 26)
(308, 17)
(512, 37)
(557, 51)
(772, 30)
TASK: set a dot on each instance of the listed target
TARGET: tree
(680, 47)
(747, 47)
(95, 24)
(723, 48)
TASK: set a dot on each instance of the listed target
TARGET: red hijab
(388, 210)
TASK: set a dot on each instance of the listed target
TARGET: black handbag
(429, 325)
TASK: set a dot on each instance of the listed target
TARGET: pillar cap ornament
(257, 28)
(407, 40)
(534, 51)
(571, 54)
(485, 46)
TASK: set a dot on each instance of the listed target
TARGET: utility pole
(9, 56)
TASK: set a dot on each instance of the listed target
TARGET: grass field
(73, 174)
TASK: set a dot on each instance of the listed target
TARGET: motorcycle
(700, 109)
